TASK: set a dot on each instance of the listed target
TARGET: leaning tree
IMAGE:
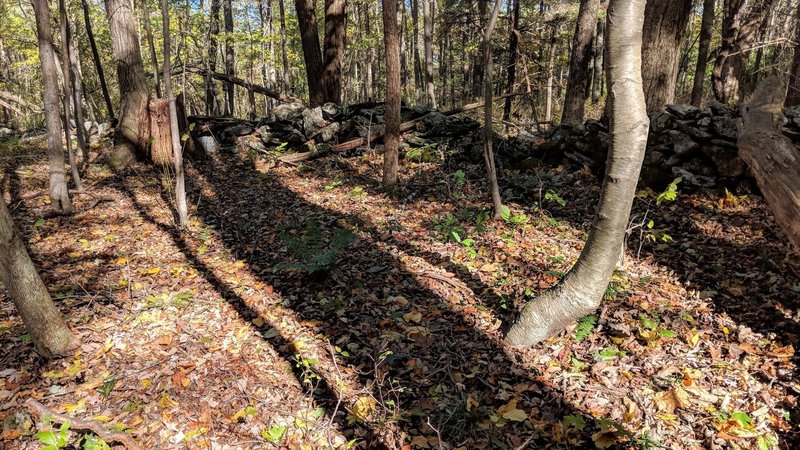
(581, 291)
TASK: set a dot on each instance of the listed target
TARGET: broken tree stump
(160, 135)
(772, 157)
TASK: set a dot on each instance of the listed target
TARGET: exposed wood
(82, 425)
(285, 98)
(772, 157)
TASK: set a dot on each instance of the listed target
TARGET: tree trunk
(582, 289)
(230, 43)
(213, 32)
(793, 92)
(309, 35)
(488, 153)
(148, 31)
(664, 29)
(49, 332)
(575, 97)
(391, 138)
(706, 30)
(513, 44)
(597, 83)
(772, 157)
(427, 40)
(77, 94)
(369, 75)
(284, 56)
(739, 28)
(67, 90)
(96, 57)
(59, 193)
(177, 152)
(477, 61)
(132, 86)
(335, 28)
(551, 64)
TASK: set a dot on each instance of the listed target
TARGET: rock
(434, 120)
(330, 111)
(726, 161)
(581, 159)
(704, 122)
(681, 143)
(683, 111)
(654, 158)
(6, 132)
(695, 132)
(663, 121)
(329, 132)
(725, 126)
(287, 112)
(723, 143)
(693, 180)
(312, 121)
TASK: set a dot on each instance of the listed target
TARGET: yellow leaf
(509, 411)
(153, 270)
(694, 338)
(146, 383)
(80, 406)
(669, 401)
(165, 402)
(258, 321)
(102, 418)
(74, 255)
(631, 410)
(363, 407)
(414, 316)
(123, 260)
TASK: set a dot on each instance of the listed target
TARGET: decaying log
(772, 157)
(285, 98)
(83, 425)
(362, 141)
(160, 135)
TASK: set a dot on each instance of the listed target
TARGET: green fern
(585, 327)
(310, 247)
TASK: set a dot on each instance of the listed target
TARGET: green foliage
(551, 196)
(92, 442)
(313, 251)
(448, 227)
(332, 185)
(670, 193)
(54, 440)
(585, 327)
(467, 243)
(274, 434)
(514, 220)
(459, 178)
(608, 354)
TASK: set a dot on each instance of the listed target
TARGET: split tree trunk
(335, 28)
(49, 332)
(59, 193)
(575, 97)
(391, 138)
(582, 289)
(772, 157)
(664, 28)
(706, 29)
(132, 86)
(177, 152)
(309, 36)
(488, 152)
(96, 57)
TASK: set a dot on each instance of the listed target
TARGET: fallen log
(362, 141)
(772, 157)
(285, 98)
(82, 425)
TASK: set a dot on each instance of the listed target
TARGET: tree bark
(793, 92)
(772, 157)
(665, 25)
(213, 33)
(551, 64)
(575, 97)
(739, 29)
(97, 64)
(78, 94)
(49, 332)
(230, 43)
(59, 193)
(177, 151)
(427, 41)
(391, 138)
(706, 29)
(488, 152)
(284, 56)
(582, 289)
(309, 35)
(599, 48)
(67, 91)
(513, 44)
(335, 28)
(132, 86)
(148, 30)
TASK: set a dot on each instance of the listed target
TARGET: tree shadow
(449, 375)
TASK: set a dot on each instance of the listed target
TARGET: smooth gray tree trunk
(581, 291)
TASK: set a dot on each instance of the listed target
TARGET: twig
(83, 425)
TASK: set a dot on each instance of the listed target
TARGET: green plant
(92, 442)
(520, 219)
(274, 434)
(459, 178)
(332, 185)
(466, 243)
(585, 327)
(54, 440)
(308, 376)
(551, 196)
(448, 227)
(312, 250)
(670, 193)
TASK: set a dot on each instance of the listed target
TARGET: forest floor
(201, 339)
